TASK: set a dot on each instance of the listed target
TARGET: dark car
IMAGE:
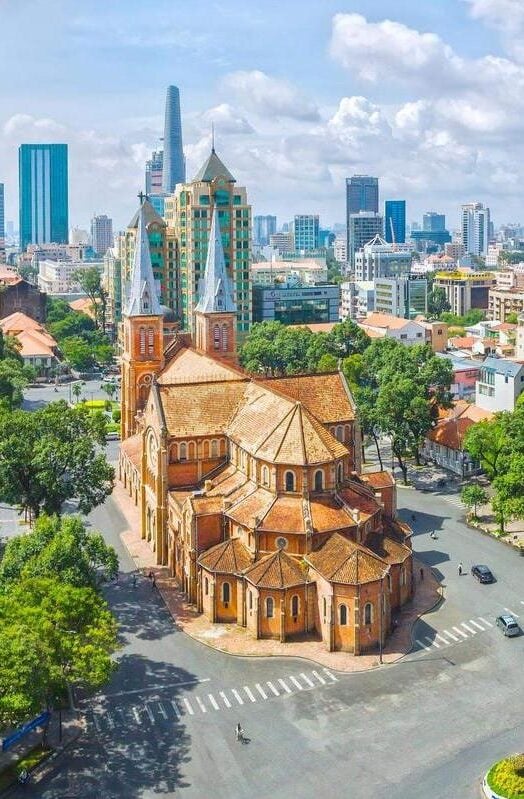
(508, 624)
(483, 574)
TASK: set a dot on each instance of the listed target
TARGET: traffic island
(505, 779)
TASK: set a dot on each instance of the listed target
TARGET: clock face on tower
(152, 455)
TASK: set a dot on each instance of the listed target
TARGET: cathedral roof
(200, 409)
(276, 570)
(324, 395)
(215, 291)
(190, 366)
(343, 561)
(213, 168)
(229, 557)
(388, 548)
(143, 298)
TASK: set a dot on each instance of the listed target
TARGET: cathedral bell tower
(143, 340)
(215, 312)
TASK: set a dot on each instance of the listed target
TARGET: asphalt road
(428, 726)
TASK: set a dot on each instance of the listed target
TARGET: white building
(406, 331)
(362, 228)
(356, 299)
(500, 384)
(340, 249)
(475, 228)
(78, 236)
(377, 258)
(57, 277)
(305, 272)
(101, 233)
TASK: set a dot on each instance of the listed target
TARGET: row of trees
(14, 376)
(80, 338)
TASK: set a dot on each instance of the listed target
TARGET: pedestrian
(134, 580)
(150, 575)
(421, 575)
(239, 732)
(153, 582)
(460, 569)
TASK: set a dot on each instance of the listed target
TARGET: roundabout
(505, 779)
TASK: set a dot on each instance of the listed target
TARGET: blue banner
(43, 718)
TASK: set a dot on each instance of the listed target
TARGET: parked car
(482, 573)
(508, 624)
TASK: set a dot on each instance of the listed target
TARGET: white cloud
(268, 96)
(506, 16)
(226, 120)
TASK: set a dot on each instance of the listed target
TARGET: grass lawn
(28, 761)
(507, 777)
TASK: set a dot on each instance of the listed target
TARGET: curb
(440, 599)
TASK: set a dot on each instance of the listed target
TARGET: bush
(507, 777)
(117, 415)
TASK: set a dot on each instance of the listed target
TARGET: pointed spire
(143, 298)
(215, 292)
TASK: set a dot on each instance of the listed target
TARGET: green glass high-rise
(43, 187)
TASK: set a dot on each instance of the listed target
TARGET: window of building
(142, 340)
(290, 481)
(250, 598)
(270, 607)
(339, 433)
(224, 337)
(206, 586)
(226, 593)
(216, 337)
(265, 476)
(294, 605)
(340, 473)
(319, 480)
(343, 614)
(214, 449)
(150, 340)
(368, 613)
(324, 607)
(183, 451)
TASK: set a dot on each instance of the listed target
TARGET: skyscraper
(306, 228)
(43, 184)
(395, 221)
(263, 228)
(154, 168)
(434, 222)
(475, 228)
(361, 195)
(362, 227)
(101, 233)
(174, 167)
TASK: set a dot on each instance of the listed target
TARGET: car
(482, 573)
(508, 624)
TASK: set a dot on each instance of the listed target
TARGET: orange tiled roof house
(249, 488)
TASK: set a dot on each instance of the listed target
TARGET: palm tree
(77, 390)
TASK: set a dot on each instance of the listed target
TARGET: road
(429, 725)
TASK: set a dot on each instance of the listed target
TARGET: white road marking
(136, 714)
(285, 686)
(422, 645)
(331, 676)
(461, 632)
(432, 643)
(237, 696)
(175, 708)
(272, 687)
(306, 678)
(162, 709)
(150, 714)
(469, 629)
(157, 687)
(201, 705)
(472, 621)
(213, 701)
(261, 691)
(296, 683)
(447, 632)
(224, 698)
(188, 706)
(485, 621)
(319, 678)
(522, 601)
(512, 612)
(250, 695)
(441, 638)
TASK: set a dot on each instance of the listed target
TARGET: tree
(346, 339)
(437, 301)
(53, 637)
(74, 324)
(61, 547)
(473, 495)
(487, 443)
(78, 353)
(77, 390)
(512, 318)
(508, 502)
(327, 363)
(51, 455)
(110, 389)
(90, 281)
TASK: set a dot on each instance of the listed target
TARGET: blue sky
(426, 94)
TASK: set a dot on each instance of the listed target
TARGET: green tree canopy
(90, 280)
(437, 301)
(473, 495)
(14, 376)
(79, 354)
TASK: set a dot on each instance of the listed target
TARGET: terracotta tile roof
(318, 327)
(229, 557)
(286, 515)
(203, 506)
(385, 320)
(343, 561)
(190, 366)
(462, 342)
(505, 327)
(329, 514)
(227, 482)
(378, 479)
(450, 432)
(83, 305)
(276, 570)
(201, 408)
(7, 276)
(33, 344)
(17, 322)
(370, 332)
(365, 503)
(248, 509)
(132, 448)
(323, 395)
(388, 548)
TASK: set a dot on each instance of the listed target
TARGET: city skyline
(363, 109)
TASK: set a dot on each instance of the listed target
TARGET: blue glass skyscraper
(174, 166)
(395, 221)
(43, 186)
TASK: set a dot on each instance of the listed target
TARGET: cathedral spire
(215, 292)
(143, 298)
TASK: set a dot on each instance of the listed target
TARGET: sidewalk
(237, 641)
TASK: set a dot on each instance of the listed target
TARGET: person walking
(153, 582)
(134, 580)
(239, 732)
(460, 569)
(421, 575)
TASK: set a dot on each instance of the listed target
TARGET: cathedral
(250, 488)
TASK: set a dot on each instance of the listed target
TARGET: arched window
(216, 337)
(265, 476)
(224, 337)
(343, 614)
(142, 340)
(206, 586)
(290, 481)
(226, 593)
(294, 605)
(319, 480)
(174, 452)
(340, 473)
(368, 613)
(150, 340)
(270, 607)
(183, 451)
(214, 449)
(191, 450)
(340, 433)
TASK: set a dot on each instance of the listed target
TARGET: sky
(428, 95)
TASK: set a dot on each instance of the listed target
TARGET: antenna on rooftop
(212, 137)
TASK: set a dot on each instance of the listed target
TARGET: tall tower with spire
(143, 341)
(215, 312)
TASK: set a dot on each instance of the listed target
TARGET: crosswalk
(458, 633)
(166, 710)
(453, 499)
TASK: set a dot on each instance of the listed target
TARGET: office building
(362, 228)
(305, 229)
(101, 233)
(174, 165)
(296, 305)
(361, 195)
(357, 299)
(505, 303)
(377, 258)
(78, 236)
(433, 222)
(406, 296)
(305, 272)
(154, 168)
(43, 187)
(465, 290)
(263, 228)
(395, 221)
(430, 240)
(282, 242)
(112, 282)
(475, 229)
(188, 211)
(60, 277)
(2, 224)
(340, 249)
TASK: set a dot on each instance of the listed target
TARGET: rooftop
(213, 168)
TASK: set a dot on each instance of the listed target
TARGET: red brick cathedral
(250, 488)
